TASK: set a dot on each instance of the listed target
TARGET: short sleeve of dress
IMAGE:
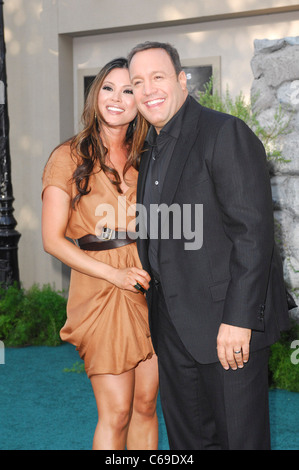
(59, 170)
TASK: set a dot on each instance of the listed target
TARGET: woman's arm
(55, 216)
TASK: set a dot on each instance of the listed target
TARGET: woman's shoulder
(62, 157)
(60, 168)
(61, 162)
(63, 153)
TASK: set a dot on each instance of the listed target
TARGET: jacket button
(262, 309)
(261, 312)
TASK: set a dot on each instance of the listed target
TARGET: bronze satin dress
(108, 325)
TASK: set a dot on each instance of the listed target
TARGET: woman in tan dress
(89, 193)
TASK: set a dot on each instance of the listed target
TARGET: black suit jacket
(236, 276)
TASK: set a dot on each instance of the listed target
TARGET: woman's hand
(127, 278)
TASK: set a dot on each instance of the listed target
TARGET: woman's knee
(114, 397)
(118, 418)
(145, 405)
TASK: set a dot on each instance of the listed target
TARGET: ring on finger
(139, 287)
(237, 352)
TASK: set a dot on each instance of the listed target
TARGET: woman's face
(116, 101)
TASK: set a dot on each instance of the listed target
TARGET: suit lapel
(178, 160)
(144, 163)
(142, 243)
(181, 152)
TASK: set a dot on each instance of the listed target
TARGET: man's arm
(242, 185)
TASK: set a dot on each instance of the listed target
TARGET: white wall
(32, 95)
(86, 16)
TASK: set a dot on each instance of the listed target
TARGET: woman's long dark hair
(87, 146)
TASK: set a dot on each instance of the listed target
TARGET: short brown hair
(171, 51)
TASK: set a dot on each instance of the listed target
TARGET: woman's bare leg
(143, 428)
(114, 397)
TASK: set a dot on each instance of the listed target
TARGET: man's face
(158, 92)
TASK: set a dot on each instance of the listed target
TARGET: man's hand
(233, 346)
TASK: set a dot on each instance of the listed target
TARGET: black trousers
(204, 406)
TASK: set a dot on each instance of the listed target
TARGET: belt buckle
(106, 234)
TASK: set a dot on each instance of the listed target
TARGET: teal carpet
(44, 408)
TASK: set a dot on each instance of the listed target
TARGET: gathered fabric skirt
(108, 325)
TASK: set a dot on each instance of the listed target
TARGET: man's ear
(182, 80)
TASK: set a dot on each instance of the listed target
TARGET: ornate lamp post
(9, 237)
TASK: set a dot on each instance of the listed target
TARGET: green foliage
(31, 318)
(283, 371)
(238, 107)
(77, 368)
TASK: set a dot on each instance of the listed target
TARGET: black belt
(108, 240)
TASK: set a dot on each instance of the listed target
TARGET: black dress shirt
(162, 146)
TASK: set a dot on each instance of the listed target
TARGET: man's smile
(154, 103)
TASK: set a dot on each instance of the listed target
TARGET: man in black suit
(215, 306)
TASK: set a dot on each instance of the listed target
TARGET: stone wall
(275, 66)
